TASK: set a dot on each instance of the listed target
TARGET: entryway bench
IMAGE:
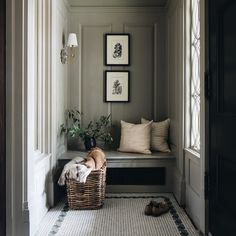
(131, 172)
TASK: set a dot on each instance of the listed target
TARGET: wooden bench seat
(134, 164)
(133, 160)
(117, 159)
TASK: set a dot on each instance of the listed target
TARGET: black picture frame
(117, 49)
(120, 93)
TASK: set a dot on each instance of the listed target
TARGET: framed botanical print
(117, 49)
(117, 86)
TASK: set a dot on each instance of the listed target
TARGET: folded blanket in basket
(76, 170)
(79, 169)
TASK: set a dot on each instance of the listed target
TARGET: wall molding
(175, 75)
(80, 41)
(193, 185)
(171, 6)
(124, 3)
(81, 27)
(16, 116)
(62, 9)
(179, 186)
(26, 211)
(59, 85)
(86, 10)
(204, 142)
(66, 4)
(154, 28)
(151, 26)
(155, 72)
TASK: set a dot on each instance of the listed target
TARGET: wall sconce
(68, 52)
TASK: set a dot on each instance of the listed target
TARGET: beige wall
(148, 94)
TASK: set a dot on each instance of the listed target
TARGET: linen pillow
(135, 138)
(159, 135)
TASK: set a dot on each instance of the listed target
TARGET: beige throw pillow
(135, 138)
(159, 135)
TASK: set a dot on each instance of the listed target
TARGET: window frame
(189, 79)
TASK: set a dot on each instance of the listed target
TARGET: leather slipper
(149, 206)
(160, 209)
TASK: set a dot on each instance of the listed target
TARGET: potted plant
(95, 130)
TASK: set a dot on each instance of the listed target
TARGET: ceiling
(117, 3)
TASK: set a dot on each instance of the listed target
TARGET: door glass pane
(195, 76)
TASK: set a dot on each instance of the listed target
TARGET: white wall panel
(193, 187)
(39, 202)
(50, 101)
(61, 73)
(175, 78)
(175, 75)
(194, 177)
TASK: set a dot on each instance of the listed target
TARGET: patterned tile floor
(121, 215)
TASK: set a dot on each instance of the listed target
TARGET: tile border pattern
(175, 216)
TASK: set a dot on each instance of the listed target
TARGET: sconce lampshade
(72, 40)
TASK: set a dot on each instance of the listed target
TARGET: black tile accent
(55, 228)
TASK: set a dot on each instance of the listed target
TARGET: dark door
(2, 119)
(222, 117)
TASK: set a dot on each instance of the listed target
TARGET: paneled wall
(148, 87)
(39, 115)
(48, 89)
(31, 111)
(61, 72)
(175, 76)
(194, 187)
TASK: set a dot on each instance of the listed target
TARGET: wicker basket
(89, 195)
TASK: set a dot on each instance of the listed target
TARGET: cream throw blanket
(75, 170)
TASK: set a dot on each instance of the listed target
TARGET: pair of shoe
(156, 208)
